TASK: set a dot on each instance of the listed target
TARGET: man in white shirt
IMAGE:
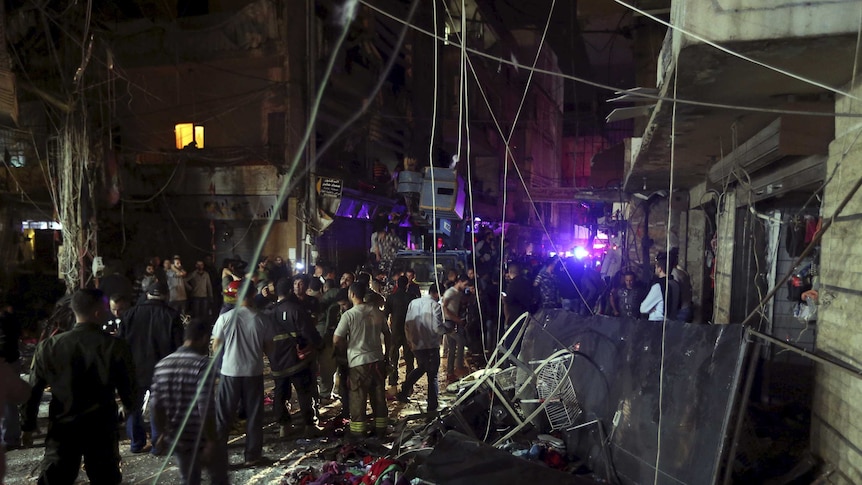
(654, 303)
(424, 327)
(359, 331)
(241, 336)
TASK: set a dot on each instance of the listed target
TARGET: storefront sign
(328, 187)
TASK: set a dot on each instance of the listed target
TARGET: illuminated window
(189, 135)
(15, 155)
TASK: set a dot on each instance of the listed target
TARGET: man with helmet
(229, 296)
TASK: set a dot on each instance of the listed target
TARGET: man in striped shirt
(181, 383)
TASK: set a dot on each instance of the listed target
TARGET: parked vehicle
(426, 266)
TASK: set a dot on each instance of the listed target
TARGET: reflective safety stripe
(284, 336)
(381, 422)
(357, 427)
(291, 370)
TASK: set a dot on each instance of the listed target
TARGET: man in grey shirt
(241, 336)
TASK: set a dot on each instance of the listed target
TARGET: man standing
(201, 291)
(347, 279)
(396, 310)
(84, 367)
(10, 334)
(626, 300)
(546, 284)
(424, 329)
(13, 391)
(311, 307)
(519, 294)
(359, 331)
(176, 277)
(113, 282)
(147, 279)
(215, 285)
(412, 287)
(300, 296)
(174, 395)
(455, 368)
(683, 280)
(333, 360)
(294, 336)
(388, 244)
(487, 253)
(657, 303)
(118, 304)
(279, 270)
(242, 336)
(153, 331)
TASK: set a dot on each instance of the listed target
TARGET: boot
(311, 431)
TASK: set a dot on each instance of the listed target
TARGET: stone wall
(836, 433)
(724, 257)
(694, 257)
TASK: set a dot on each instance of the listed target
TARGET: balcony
(814, 40)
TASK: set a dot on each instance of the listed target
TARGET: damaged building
(726, 129)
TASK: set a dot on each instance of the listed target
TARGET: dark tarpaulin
(460, 460)
(617, 372)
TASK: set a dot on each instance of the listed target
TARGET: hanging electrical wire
(510, 156)
(735, 53)
(433, 138)
(666, 295)
(285, 187)
(289, 179)
(619, 90)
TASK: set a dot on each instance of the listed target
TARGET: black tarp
(460, 460)
(617, 371)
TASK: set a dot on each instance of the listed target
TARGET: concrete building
(760, 147)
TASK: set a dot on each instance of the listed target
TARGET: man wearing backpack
(663, 296)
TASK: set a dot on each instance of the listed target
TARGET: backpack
(671, 299)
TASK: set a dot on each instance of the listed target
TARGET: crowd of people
(576, 285)
(152, 343)
(190, 349)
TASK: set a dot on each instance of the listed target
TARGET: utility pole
(297, 65)
(310, 148)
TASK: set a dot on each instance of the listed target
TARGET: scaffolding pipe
(838, 364)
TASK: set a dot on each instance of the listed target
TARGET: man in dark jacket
(84, 367)
(519, 299)
(153, 331)
(396, 311)
(519, 294)
(10, 334)
(294, 334)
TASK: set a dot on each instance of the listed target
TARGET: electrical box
(443, 194)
